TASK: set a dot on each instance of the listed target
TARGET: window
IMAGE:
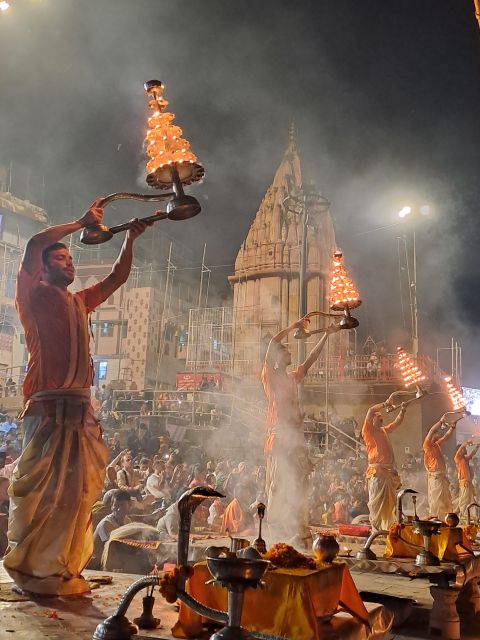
(107, 329)
(102, 369)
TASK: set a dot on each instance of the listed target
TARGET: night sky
(385, 97)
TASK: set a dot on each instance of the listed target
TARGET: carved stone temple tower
(266, 279)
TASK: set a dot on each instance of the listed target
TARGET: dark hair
(52, 247)
(120, 495)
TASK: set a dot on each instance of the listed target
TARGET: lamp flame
(165, 146)
(411, 374)
(456, 398)
(343, 292)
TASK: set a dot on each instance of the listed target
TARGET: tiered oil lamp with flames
(457, 402)
(171, 165)
(412, 376)
(344, 295)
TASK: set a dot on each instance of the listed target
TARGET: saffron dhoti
(382, 491)
(439, 497)
(58, 478)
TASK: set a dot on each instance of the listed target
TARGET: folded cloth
(290, 606)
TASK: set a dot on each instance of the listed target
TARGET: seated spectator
(7, 467)
(237, 517)
(157, 484)
(133, 442)
(145, 468)
(129, 478)
(199, 477)
(329, 515)
(168, 524)
(112, 470)
(148, 445)
(341, 514)
(8, 425)
(215, 514)
(118, 517)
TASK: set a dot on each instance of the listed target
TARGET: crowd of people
(147, 473)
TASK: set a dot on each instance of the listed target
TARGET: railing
(326, 433)
(382, 368)
(193, 410)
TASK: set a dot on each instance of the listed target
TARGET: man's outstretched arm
(317, 349)
(433, 430)
(32, 258)
(298, 324)
(123, 264)
(398, 420)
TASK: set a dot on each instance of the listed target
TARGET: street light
(4, 5)
(406, 212)
(302, 203)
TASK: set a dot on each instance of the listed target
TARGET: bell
(182, 207)
(348, 321)
(96, 234)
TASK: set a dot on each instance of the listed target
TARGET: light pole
(302, 203)
(405, 213)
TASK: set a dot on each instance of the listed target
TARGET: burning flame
(165, 146)
(411, 374)
(456, 398)
(343, 292)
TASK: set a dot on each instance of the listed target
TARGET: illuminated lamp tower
(343, 293)
(171, 162)
(411, 374)
(458, 402)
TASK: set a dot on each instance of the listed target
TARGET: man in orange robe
(287, 462)
(439, 497)
(382, 477)
(466, 490)
(62, 467)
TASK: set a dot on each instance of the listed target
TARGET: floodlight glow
(425, 210)
(4, 5)
(404, 212)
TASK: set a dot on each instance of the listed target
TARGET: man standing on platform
(287, 463)
(439, 497)
(62, 467)
(382, 477)
(466, 490)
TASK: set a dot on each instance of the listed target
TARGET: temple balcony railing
(335, 369)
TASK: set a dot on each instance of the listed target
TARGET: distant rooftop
(20, 207)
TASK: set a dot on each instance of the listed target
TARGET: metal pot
(325, 548)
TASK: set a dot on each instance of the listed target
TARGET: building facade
(19, 220)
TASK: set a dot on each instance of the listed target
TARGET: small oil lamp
(343, 293)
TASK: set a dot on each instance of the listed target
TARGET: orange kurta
(433, 458)
(233, 519)
(56, 331)
(378, 446)
(463, 471)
